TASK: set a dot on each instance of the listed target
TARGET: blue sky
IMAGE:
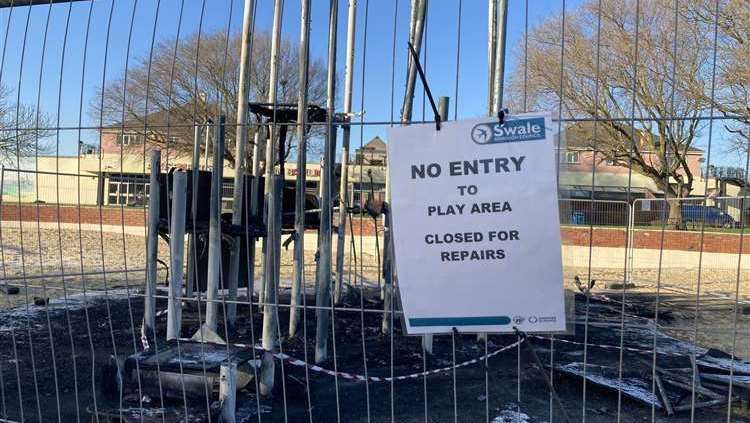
(441, 46)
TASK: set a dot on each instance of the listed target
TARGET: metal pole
(499, 76)
(214, 230)
(192, 257)
(228, 391)
(443, 107)
(412, 20)
(405, 118)
(491, 51)
(272, 90)
(323, 296)
(208, 143)
(273, 199)
(177, 250)
(300, 185)
(272, 264)
(412, 70)
(149, 312)
(344, 186)
(240, 166)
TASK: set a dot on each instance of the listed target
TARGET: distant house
(115, 172)
(585, 154)
(374, 153)
(372, 156)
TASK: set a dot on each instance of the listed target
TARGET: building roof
(375, 144)
(581, 135)
(159, 119)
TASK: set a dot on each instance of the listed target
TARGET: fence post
(149, 311)
(300, 184)
(499, 72)
(343, 188)
(228, 391)
(240, 159)
(491, 41)
(416, 40)
(443, 107)
(214, 230)
(177, 247)
(418, 14)
(323, 294)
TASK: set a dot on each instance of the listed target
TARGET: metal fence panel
(658, 286)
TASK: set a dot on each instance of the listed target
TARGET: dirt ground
(496, 386)
(113, 259)
(723, 317)
(52, 356)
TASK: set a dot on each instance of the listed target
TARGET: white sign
(476, 226)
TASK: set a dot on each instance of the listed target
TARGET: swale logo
(513, 130)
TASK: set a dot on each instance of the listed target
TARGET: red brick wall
(602, 237)
(69, 214)
(112, 215)
(713, 242)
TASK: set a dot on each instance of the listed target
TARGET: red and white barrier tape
(360, 378)
(611, 347)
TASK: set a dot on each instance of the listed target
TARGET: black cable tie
(501, 115)
(415, 56)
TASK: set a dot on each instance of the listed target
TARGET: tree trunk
(675, 213)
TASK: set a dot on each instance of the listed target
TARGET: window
(227, 195)
(127, 139)
(571, 157)
(128, 190)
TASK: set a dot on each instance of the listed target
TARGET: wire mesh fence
(245, 273)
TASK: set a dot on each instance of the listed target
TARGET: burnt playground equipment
(252, 225)
(183, 194)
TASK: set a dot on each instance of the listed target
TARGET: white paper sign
(476, 225)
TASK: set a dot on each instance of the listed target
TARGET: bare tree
(731, 94)
(627, 81)
(22, 131)
(168, 87)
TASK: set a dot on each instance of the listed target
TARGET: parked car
(708, 215)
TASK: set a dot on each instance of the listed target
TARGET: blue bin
(578, 218)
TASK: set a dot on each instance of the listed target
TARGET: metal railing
(89, 328)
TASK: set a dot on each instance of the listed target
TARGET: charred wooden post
(323, 294)
(300, 183)
(192, 255)
(343, 188)
(272, 266)
(149, 312)
(177, 250)
(214, 230)
(273, 198)
(228, 391)
(240, 166)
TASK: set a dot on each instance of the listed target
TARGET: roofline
(694, 151)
